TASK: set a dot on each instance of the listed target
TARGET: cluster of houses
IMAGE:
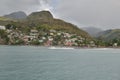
(49, 38)
(53, 37)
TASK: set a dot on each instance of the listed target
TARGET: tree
(3, 36)
(10, 26)
(35, 42)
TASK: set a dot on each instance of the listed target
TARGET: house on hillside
(34, 34)
(26, 38)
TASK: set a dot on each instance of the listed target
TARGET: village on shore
(49, 38)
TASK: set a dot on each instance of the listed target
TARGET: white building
(115, 44)
(2, 27)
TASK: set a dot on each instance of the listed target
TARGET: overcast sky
(104, 14)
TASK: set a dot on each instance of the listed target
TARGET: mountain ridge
(40, 15)
(16, 15)
(109, 34)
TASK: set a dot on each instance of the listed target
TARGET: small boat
(60, 47)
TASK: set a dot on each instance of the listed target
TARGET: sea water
(41, 63)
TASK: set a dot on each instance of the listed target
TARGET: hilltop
(42, 15)
(16, 15)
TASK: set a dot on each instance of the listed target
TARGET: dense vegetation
(3, 37)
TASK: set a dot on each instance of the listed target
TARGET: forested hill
(19, 29)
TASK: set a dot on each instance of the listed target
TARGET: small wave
(60, 48)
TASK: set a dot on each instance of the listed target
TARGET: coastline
(62, 47)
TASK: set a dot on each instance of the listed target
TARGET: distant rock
(16, 15)
(93, 31)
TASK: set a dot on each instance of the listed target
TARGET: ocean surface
(41, 63)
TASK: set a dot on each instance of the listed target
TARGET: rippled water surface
(40, 63)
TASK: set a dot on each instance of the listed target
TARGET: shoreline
(63, 47)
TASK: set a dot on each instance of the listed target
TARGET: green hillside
(42, 15)
(110, 34)
(4, 19)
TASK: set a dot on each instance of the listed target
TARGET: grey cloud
(100, 13)
(8, 6)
